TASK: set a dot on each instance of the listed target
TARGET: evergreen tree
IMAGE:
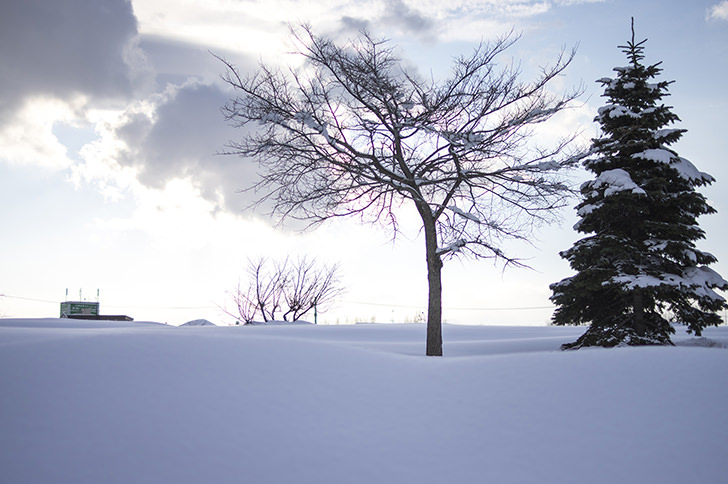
(638, 270)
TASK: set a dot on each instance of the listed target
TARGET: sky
(110, 126)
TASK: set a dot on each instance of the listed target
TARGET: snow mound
(70, 323)
(703, 342)
(279, 323)
(355, 404)
(198, 322)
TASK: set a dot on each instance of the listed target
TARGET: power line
(159, 307)
(28, 299)
(22, 298)
(525, 308)
(362, 303)
(410, 306)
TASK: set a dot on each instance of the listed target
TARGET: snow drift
(96, 402)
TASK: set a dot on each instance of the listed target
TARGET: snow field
(91, 402)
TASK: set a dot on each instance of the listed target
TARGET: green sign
(72, 308)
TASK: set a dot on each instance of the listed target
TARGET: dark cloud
(182, 140)
(409, 20)
(174, 60)
(397, 15)
(65, 47)
(355, 24)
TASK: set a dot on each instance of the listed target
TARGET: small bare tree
(267, 286)
(246, 306)
(309, 287)
(292, 289)
(354, 133)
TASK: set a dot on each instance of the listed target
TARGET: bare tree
(292, 289)
(267, 286)
(246, 306)
(354, 133)
(310, 287)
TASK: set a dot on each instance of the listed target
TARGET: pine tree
(638, 271)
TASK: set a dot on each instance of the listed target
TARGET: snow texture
(272, 118)
(308, 120)
(616, 181)
(587, 209)
(453, 248)
(464, 214)
(684, 167)
(616, 111)
(117, 403)
(549, 166)
(198, 322)
(664, 133)
(659, 155)
(624, 69)
(701, 280)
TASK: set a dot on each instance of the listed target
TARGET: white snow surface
(659, 155)
(664, 133)
(89, 402)
(617, 180)
(463, 213)
(616, 111)
(198, 322)
(684, 167)
(701, 281)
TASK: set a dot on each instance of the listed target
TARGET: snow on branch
(705, 276)
(587, 209)
(701, 280)
(623, 70)
(464, 214)
(659, 155)
(453, 248)
(543, 166)
(661, 134)
(270, 117)
(616, 111)
(308, 120)
(615, 181)
(550, 166)
(684, 167)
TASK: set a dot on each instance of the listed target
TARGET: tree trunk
(434, 306)
(434, 280)
(638, 308)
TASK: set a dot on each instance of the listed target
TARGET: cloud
(72, 66)
(175, 61)
(718, 12)
(411, 21)
(67, 48)
(355, 24)
(568, 3)
(175, 134)
(457, 20)
(170, 136)
(465, 10)
(30, 139)
(260, 27)
(394, 14)
(93, 61)
(394, 18)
